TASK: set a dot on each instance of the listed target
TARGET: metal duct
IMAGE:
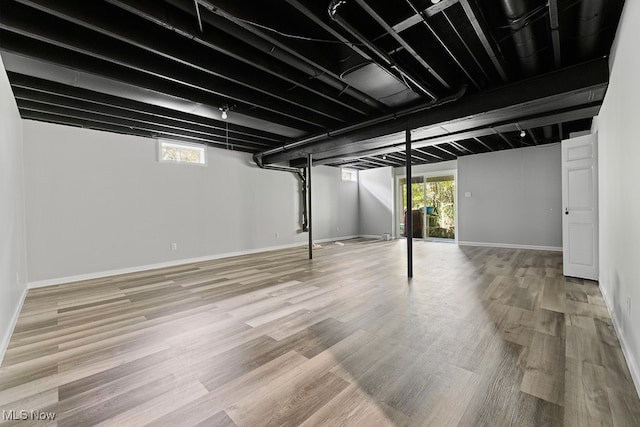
(525, 42)
(590, 22)
(523, 37)
(302, 182)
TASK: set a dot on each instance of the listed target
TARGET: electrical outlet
(17, 277)
(629, 306)
(174, 246)
(337, 228)
(277, 235)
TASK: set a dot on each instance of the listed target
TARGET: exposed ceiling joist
(554, 23)
(427, 154)
(504, 138)
(82, 109)
(541, 120)
(186, 70)
(484, 39)
(484, 144)
(295, 82)
(415, 19)
(571, 88)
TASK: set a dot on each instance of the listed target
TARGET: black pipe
(309, 164)
(303, 185)
(523, 36)
(303, 200)
(524, 40)
(590, 20)
(408, 226)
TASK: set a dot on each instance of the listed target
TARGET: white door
(580, 206)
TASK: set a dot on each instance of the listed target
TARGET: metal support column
(309, 163)
(408, 227)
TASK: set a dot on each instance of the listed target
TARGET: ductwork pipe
(590, 21)
(302, 183)
(523, 36)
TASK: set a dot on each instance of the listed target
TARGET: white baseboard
(7, 336)
(511, 246)
(371, 236)
(137, 269)
(632, 363)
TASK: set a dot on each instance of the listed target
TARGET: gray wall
(98, 202)
(516, 197)
(12, 229)
(619, 176)
(375, 201)
(427, 168)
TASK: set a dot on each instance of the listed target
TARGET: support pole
(409, 222)
(309, 163)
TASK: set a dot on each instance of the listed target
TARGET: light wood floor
(480, 337)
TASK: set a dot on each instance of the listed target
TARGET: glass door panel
(418, 193)
(440, 208)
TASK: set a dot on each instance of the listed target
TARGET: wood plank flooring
(480, 337)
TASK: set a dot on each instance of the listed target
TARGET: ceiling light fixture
(435, 1)
(523, 134)
(224, 111)
(384, 157)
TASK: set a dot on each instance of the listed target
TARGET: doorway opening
(433, 207)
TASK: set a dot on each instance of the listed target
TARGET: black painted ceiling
(340, 79)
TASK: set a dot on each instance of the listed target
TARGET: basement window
(349, 175)
(175, 152)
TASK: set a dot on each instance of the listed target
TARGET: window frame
(179, 144)
(354, 173)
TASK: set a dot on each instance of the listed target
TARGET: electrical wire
(295, 36)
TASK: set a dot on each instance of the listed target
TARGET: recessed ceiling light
(435, 1)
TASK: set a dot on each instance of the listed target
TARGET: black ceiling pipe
(525, 42)
(386, 61)
(523, 36)
(589, 25)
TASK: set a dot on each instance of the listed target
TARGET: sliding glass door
(417, 206)
(432, 207)
(440, 201)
